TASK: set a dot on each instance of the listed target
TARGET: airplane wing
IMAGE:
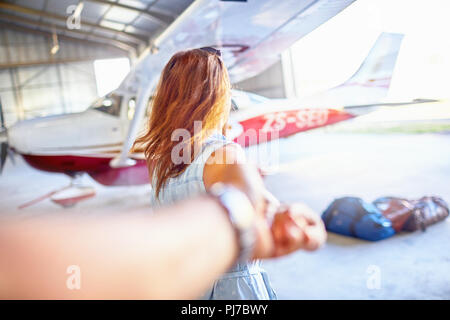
(370, 83)
(251, 35)
(361, 93)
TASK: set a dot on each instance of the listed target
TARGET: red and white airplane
(251, 35)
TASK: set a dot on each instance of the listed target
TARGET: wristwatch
(241, 214)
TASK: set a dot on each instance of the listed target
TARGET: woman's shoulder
(215, 138)
(218, 145)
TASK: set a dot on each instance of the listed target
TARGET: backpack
(354, 217)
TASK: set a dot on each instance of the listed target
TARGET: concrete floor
(315, 168)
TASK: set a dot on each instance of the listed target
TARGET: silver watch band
(241, 214)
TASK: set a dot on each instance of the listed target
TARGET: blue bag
(354, 217)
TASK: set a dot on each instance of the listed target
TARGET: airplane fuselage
(89, 140)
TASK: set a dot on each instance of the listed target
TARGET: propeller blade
(3, 154)
(2, 117)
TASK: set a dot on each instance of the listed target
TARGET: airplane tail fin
(369, 85)
(377, 68)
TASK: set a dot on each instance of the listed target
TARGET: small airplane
(251, 35)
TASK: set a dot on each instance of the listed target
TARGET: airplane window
(131, 108)
(109, 104)
(149, 106)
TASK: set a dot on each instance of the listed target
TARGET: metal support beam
(12, 74)
(61, 88)
(61, 36)
(37, 74)
(8, 6)
(53, 61)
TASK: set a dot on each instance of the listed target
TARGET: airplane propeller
(3, 154)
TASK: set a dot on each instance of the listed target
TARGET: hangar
(322, 102)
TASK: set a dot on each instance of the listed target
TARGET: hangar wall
(33, 82)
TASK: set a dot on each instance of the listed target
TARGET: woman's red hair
(194, 86)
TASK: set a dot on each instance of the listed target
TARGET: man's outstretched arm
(175, 253)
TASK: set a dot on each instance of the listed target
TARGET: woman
(187, 152)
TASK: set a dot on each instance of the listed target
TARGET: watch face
(242, 216)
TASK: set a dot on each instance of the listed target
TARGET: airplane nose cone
(16, 136)
(60, 134)
(3, 136)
